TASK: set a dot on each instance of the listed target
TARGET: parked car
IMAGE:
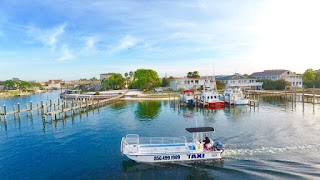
(158, 89)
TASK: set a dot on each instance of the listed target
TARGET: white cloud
(125, 43)
(66, 54)
(48, 37)
(90, 42)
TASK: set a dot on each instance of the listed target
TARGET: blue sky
(46, 39)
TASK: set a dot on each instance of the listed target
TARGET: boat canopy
(199, 129)
(188, 91)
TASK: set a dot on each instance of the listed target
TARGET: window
(197, 81)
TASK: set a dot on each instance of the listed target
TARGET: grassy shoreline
(14, 93)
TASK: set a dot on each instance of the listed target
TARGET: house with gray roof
(238, 80)
(274, 75)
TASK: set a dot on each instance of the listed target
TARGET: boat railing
(132, 139)
(163, 140)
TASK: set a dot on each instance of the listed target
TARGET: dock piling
(4, 111)
(18, 108)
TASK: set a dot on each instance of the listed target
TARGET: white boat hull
(237, 101)
(177, 157)
(187, 99)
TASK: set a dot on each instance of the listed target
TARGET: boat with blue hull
(172, 149)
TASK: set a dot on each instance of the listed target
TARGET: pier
(291, 95)
(53, 109)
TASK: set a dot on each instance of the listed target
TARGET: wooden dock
(60, 108)
(292, 95)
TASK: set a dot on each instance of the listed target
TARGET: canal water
(277, 140)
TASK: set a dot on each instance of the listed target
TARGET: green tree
(93, 79)
(146, 79)
(165, 82)
(37, 85)
(309, 78)
(23, 85)
(281, 84)
(195, 74)
(274, 85)
(9, 84)
(116, 81)
(220, 84)
(189, 74)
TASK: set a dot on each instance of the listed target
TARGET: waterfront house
(53, 84)
(238, 80)
(274, 75)
(192, 83)
(105, 76)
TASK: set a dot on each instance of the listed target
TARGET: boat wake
(264, 151)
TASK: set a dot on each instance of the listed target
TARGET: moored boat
(235, 96)
(187, 97)
(171, 149)
(210, 98)
(70, 94)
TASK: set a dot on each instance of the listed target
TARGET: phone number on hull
(172, 157)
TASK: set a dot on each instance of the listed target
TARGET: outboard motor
(218, 146)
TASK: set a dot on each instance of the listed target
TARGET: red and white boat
(187, 97)
(210, 98)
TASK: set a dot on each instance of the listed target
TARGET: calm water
(278, 140)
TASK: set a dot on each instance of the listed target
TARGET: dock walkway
(53, 109)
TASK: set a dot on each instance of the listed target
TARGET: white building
(274, 75)
(193, 83)
(237, 80)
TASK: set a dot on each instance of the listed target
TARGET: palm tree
(195, 74)
(131, 75)
(189, 74)
(126, 80)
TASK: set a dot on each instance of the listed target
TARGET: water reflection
(187, 112)
(209, 114)
(236, 111)
(275, 100)
(148, 110)
(119, 105)
(187, 170)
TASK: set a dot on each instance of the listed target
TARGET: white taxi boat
(171, 149)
